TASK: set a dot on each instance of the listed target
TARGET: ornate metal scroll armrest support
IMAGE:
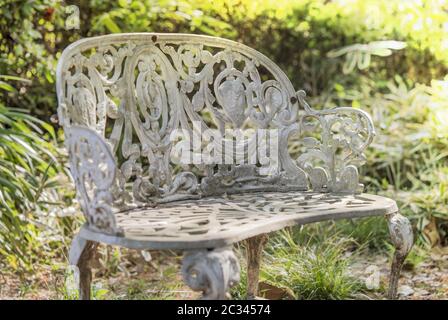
(94, 171)
(332, 162)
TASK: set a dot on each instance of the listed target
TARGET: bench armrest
(332, 162)
(94, 171)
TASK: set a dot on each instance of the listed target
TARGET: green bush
(28, 182)
(316, 270)
(328, 48)
(408, 159)
(296, 34)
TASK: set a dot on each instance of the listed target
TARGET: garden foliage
(388, 57)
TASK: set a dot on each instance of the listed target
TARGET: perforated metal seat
(219, 221)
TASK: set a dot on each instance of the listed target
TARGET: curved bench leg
(400, 230)
(81, 255)
(213, 272)
(254, 251)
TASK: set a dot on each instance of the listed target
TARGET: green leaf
(6, 86)
(123, 3)
(110, 24)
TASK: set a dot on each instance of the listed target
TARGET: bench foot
(81, 255)
(254, 251)
(213, 272)
(400, 230)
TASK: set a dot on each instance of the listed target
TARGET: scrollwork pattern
(135, 89)
(345, 134)
(93, 169)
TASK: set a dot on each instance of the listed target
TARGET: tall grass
(28, 169)
(310, 265)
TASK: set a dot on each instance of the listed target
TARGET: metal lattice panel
(223, 220)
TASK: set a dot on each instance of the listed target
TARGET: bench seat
(219, 221)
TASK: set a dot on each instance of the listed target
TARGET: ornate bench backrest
(139, 90)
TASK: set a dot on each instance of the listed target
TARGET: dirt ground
(159, 278)
(427, 281)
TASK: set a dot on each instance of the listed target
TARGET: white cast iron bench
(120, 99)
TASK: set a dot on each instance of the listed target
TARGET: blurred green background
(387, 57)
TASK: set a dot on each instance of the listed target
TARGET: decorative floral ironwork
(122, 96)
(135, 90)
(93, 169)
